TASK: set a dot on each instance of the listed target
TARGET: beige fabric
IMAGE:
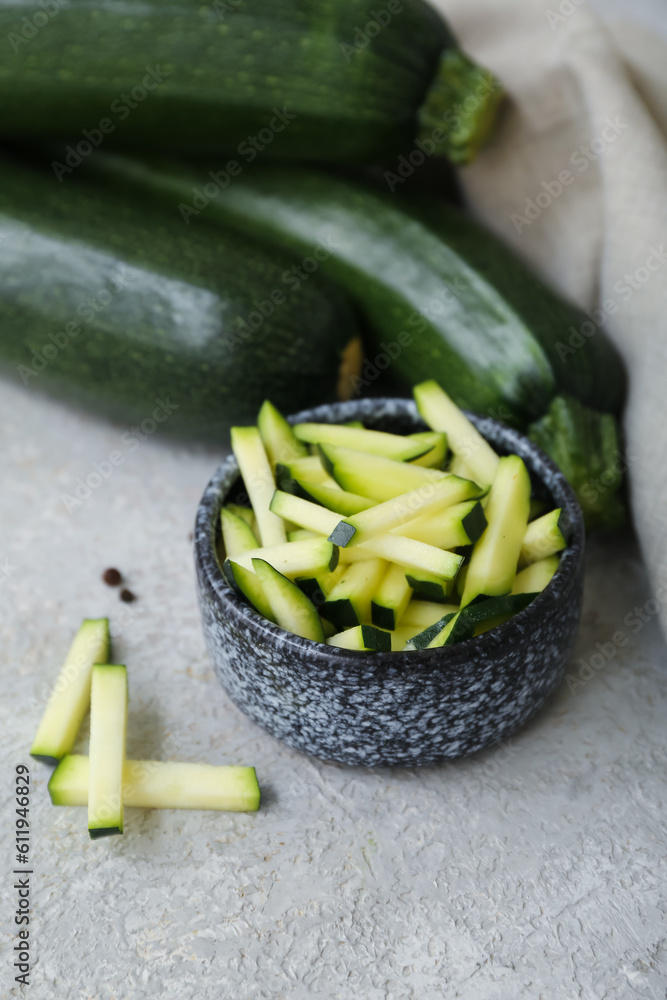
(601, 238)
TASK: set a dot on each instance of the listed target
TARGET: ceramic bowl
(408, 708)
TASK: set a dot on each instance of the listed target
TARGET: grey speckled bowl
(391, 708)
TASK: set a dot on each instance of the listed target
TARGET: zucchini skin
(113, 303)
(206, 77)
(452, 301)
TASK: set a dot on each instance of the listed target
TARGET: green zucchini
(304, 513)
(428, 498)
(495, 556)
(108, 727)
(312, 556)
(159, 784)
(333, 80)
(422, 614)
(413, 556)
(237, 535)
(544, 537)
(70, 696)
(349, 602)
(292, 609)
(375, 476)
(362, 637)
(359, 439)
(443, 298)
(337, 500)
(536, 577)
(391, 598)
(115, 304)
(278, 438)
(245, 581)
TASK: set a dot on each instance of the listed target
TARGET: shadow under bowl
(400, 708)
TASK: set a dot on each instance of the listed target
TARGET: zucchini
(394, 446)
(158, 784)
(442, 297)
(338, 500)
(244, 581)
(429, 586)
(237, 535)
(108, 727)
(466, 442)
(70, 695)
(544, 537)
(277, 436)
(310, 556)
(413, 556)
(304, 513)
(495, 556)
(391, 598)
(259, 482)
(375, 476)
(536, 577)
(349, 602)
(114, 304)
(430, 497)
(462, 524)
(292, 609)
(309, 468)
(457, 628)
(289, 79)
(435, 457)
(423, 639)
(422, 614)
(362, 637)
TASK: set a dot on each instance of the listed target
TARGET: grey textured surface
(533, 871)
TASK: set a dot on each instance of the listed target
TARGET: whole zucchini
(115, 304)
(331, 80)
(442, 299)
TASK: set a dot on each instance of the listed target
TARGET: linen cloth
(575, 179)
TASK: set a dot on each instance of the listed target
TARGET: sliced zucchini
(305, 513)
(299, 534)
(108, 726)
(432, 496)
(431, 587)
(495, 556)
(310, 557)
(395, 446)
(421, 614)
(157, 784)
(280, 443)
(244, 581)
(244, 512)
(447, 529)
(349, 602)
(309, 468)
(435, 457)
(337, 499)
(292, 609)
(423, 639)
(500, 608)
(417, 557)
(70, 695)
(362, 637)
(442, 414)
(458, 628)
(316, 589)
(373, 476)
(259, 482)
(536, 577)
(391, 598)
(544, 537)
(237, 535)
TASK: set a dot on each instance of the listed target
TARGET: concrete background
(534, 870)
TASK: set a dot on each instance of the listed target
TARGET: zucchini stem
(460, 108)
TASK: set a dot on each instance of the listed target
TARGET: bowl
(395, 708)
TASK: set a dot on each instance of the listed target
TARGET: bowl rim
(513, 631)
